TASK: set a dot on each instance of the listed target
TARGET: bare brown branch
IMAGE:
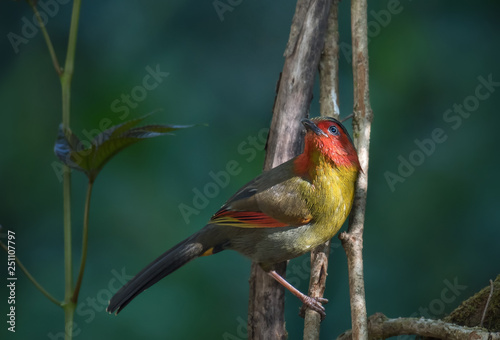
(329, 106)
(294, 94)
(317, 284)
(353, 239)
(380, 327)
(329, 66)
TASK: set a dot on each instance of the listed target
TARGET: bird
(283, 213)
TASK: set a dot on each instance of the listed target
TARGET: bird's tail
(171, 260)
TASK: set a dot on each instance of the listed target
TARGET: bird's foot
(315, 304)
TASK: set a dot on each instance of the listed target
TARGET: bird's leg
(314, 303)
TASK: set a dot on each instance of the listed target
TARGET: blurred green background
(435, 228)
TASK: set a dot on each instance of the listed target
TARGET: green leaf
(118, 130)
(71, 151)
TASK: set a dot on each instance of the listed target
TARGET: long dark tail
(168, 262)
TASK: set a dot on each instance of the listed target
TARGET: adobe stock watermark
(153, 77)
(223, 6)
(92, 305)
(454, 118)
(30, 26)
(138, 93)
(377, 20)
(221, 179)
(241, 331)
(436, 308)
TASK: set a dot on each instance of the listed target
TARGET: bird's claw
(315, 304)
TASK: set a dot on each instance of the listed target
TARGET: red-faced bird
(283, 213)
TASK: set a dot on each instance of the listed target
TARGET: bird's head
(328, 137)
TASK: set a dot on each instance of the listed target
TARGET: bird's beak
(310, 126)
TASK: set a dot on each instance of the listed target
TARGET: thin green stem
(32, 279)
(47, 38)
(69, 313)
(68, 306)
(84, 243)
(68, 270)
(70, 62)
(66, 77)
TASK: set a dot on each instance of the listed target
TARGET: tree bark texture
(293, 98)
(381, 327)
(353, 239)
(329, 106)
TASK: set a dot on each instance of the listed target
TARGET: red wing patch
(245, 219)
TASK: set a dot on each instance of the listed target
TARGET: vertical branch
(67, 74)
(294, 93)
(317, 284)
(66, 77)
(353, 239)
(329, 106)
(329, 66)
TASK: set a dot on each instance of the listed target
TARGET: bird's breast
(331, 200)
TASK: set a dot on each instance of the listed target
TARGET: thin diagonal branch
(32, 279)
(46, 36)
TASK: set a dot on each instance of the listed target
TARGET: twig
(294, 94)
(32, 279)
(487, 303)
(352, 241)
(472, 310)
(85, 242)
(347, 118)
(46, 36)
(380, 327)
(329, 106)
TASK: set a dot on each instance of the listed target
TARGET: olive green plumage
(281, 214)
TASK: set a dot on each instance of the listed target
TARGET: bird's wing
(274, 199)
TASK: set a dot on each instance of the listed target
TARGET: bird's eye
(333, 130)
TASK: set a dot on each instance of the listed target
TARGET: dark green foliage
(90, 159)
